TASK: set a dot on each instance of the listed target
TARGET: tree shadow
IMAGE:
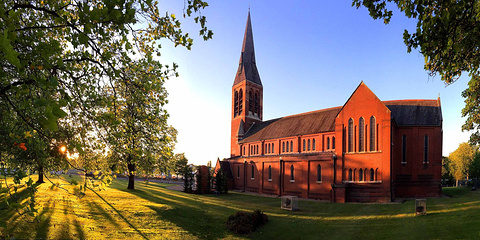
(95, 207)
(44, 217)
(119, 214)
(191, 218)
(19, 196)
(81, 234)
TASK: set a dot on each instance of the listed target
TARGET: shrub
(246, 223)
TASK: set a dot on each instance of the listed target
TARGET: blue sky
(310, 55)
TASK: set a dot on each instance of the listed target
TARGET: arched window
(350, 135)
(373, 134)
(372, 175)
(256, 103)
(291, 146)
(253, 172)
(256, 151)
(333, 142)
(240, 102)
(350, 175)
(287, 146)
(328, 142)
(404, 148)
(238, 171)
(425, 149)
(270, 172)
(235, 108)
(304, 145)
(250, 101)
(273, 147)
(283, 146)
(361, 135)
(308, 145)
(313, 144)
(365, 172)
(269, 148)
(319, 173)
(360, 175)
(292, 171)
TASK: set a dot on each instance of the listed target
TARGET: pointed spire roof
(247, 68)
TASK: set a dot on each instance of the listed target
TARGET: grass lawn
(154, 212)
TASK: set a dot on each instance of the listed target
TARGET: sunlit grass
(152, 211)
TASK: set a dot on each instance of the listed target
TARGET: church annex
(367, 150)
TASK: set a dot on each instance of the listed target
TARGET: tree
(461, 160)
(178, 163)
(139, 133)
(447, 35)
(447, 170)
(70, 64)
(474, 168)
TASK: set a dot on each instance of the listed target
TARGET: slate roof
(247, 68)
(300, 124)
(416, 112)
(404, 113)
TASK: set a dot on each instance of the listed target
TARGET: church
(367, 150)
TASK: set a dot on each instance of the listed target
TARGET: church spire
(247, 68)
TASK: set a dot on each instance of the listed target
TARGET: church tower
(247, 92)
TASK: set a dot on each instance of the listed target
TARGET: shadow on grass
(119, 214)
(18, 197)
(95, 207)
(191, 216)
(44, 221)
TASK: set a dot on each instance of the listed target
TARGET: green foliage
(447, 36)
(85, 74)
(221, 179)
(461, 160)
(178, 163)
(188, 179)
(447, 170)
(474, 167)
(246, 223)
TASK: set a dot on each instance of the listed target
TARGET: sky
(310, 55)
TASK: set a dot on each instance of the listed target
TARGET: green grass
(154, 212)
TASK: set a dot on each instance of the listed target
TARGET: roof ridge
(410, 100)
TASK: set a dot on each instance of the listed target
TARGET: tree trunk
(40, 175)
(457, 183)
(131, 176)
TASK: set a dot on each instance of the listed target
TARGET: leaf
(10, 54)
(57, 111)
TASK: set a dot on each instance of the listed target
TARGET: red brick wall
(364, 103)
(416, 178)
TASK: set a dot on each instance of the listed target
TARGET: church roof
(300, 124)
(416, 112)
(404, 113)
(247, 68)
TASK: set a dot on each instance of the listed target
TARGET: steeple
(247, 68)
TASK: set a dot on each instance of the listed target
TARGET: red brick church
(367, 150)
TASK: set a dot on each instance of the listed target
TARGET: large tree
(139, 134)
(447, 34)
(68, 64)
(461, 159)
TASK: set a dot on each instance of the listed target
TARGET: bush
(246, 223)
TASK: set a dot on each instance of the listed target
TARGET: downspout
(280, 178)
(245, 175)
(334, 177)
(391, 163)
